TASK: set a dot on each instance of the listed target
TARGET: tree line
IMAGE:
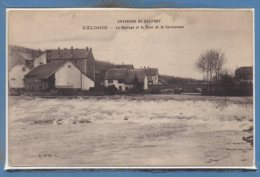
(210, 63)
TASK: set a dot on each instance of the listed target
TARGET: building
(58, 75)
(116, 77)
(40, 60)
(82, 58)
(244, 74)
(127, 66)
(152, 75)
(20, 62)
(16, 76)
(124, 79)
(21, 55)
(134, 77)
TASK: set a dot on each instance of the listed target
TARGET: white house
(16, 75)
(124, 79)
(116, 77)
(152, 75)
(57, 75)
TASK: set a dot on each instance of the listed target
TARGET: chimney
(71, 51)
(59, 56)
(90, 49)
(87, 49)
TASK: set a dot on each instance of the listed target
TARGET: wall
(40, 60)
(69, 76)
(155, 79)
(33, 84)
(145, 83)
(87, 83)
(116, 84)
(16, 76)
(91, 65)
(81, 64)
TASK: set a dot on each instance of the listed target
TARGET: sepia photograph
(130, 88)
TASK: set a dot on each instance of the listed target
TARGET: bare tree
(203, 66)
(210, 64)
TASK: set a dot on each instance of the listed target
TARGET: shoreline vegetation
(234, 92)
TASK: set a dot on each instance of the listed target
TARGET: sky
(173, 51)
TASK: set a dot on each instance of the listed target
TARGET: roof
(128, 66)
(55, 54)
(150, 71)
(116, 73)
(135, 73)
(246, 70)
(45, 71)
(21, 55)
(15, 57)
(26, 56)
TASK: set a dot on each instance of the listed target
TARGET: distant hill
(164, 79)
(21, 55)
(102, 65)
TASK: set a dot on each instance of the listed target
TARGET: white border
(7, 167)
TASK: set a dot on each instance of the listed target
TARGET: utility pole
(81, 78)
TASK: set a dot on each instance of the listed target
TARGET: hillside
(102, 65)
(165, 79)
(21, 55)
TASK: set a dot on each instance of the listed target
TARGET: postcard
(130, 88)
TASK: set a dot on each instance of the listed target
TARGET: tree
(227, 83)
(137, 86)
(210, 64)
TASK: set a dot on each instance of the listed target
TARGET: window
(41, 63)
(120, 88)
(69, 66)
(13, 79)
(110, 81)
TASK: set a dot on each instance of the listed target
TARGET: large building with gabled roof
(58, 75)
(82, 58)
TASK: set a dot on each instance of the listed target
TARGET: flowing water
(127, 131)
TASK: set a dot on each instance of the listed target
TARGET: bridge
(185, 87)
